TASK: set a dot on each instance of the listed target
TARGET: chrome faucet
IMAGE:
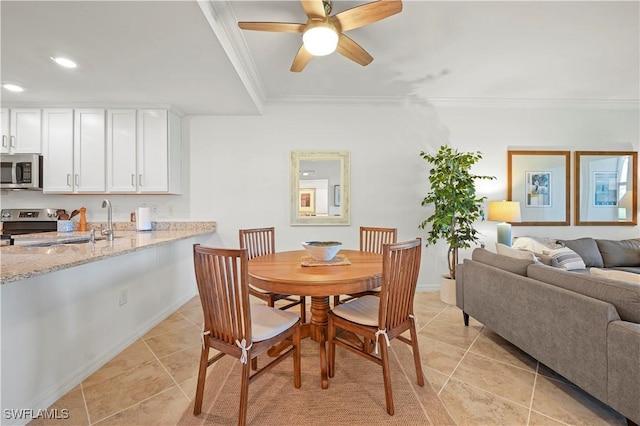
(109, 231)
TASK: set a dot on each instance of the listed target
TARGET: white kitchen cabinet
(74, 151)
(158, 151)
(57, 150)
(143, 151)
(89, 156)
(122, 175)
(21, 131)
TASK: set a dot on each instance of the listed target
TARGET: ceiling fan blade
(301, 60)
(314, 8)
(366, 14)
(278, 27)
(352, 50)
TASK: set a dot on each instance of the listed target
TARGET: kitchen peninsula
(67, 309)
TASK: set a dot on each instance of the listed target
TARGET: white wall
(236, 168)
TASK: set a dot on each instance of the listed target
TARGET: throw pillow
(587, 249)
(535, 244)
(565, 258)
(629, 277)
(620, 253)
(516, 254)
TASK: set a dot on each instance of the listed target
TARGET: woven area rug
(355, 395)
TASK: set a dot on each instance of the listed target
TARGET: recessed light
(64, 62)
(13, 87)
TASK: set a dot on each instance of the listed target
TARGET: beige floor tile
(119, 392)
(426, 305)
(493, 346)
(538, 419)
(472, 406)
(68, 410)
(439, 356)
(506, 381)
(434, 377)
(453, 315)
(165, 344)
(193, 302)
(547, 372)
(165, 408)
(184, 365)
(189, 387)
(173, 323)
(193, 314)
(456, 335)
(136, 355)
(571, 405)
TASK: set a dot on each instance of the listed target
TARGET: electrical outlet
(154, 210)
(123, 297)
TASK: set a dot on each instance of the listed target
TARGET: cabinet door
(4, 130)
(57, 150)
(153, 150)
(89, 150)
(121, 151)
(26, 131)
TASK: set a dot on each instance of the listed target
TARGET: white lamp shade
(320, 40)
(504, 211)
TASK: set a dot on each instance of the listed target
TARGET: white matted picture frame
(539, 180)
(605, 188)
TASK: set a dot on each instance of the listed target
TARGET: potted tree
(456, 207)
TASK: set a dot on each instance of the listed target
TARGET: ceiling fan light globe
(320, 40)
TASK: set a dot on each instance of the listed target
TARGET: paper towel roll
(143, 219)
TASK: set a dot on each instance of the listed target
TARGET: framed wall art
(539, 180)
(336, 195)
(605, 188)
(307, 201)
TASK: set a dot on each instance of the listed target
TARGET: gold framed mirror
(320, 188)
(605, 188)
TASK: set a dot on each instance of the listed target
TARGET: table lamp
(503, 212)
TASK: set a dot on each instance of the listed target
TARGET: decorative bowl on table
(322, 250)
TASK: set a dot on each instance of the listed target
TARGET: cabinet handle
(77, 179)
(133, 180)
(68, 179)
(4, 140)
(13, 141)
(139, 180)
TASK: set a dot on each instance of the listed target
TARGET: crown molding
(454, 102)
(224, 23)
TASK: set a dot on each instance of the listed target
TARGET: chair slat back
(258, 241)
(400, 269)
(372, 239)
(222, 278)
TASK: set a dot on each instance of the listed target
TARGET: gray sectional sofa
(583, 326)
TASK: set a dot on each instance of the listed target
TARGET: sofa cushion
(613, 274)
(506, 263)
(623, 295)
(565, 258)
(587, 249)
(620, 253)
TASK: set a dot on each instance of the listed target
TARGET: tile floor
(481, 378)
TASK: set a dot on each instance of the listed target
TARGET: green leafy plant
(453, 195)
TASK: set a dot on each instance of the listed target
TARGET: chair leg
(303, 309)
(331, 334)
(416, 353)
(244, 395)
(297, 377)
(386, 375)
(202, 374)
(336, 300)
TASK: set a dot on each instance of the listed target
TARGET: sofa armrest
(623, 341)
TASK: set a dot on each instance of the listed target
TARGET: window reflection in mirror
(320, 188)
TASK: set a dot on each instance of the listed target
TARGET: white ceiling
(193, 57)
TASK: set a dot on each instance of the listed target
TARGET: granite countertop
(25, 261)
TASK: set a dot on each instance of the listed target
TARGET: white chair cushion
(267, 322)
(363, 310)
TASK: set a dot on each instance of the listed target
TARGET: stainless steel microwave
(21, 171)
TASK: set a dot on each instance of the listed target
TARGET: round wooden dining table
(283, 273)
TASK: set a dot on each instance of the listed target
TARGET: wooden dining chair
(384, 318)
(371, 240)
(259, 242)
(232, 326)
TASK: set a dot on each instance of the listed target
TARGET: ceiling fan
(323, 33)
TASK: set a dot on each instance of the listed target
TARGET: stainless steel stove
(28, 221)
